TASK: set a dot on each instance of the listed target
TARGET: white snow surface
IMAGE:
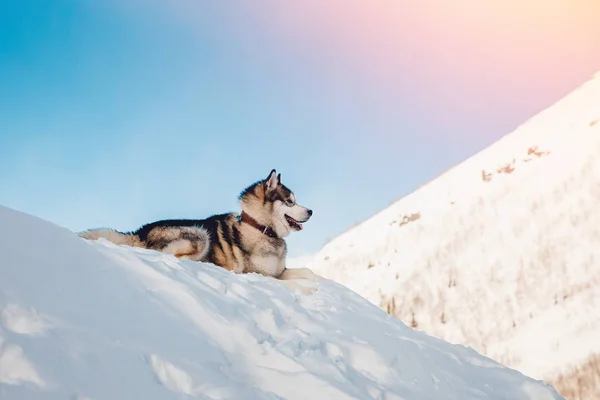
(500, 253)
(92, 320)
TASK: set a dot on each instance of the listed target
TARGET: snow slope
(92, 320)
(500, 253)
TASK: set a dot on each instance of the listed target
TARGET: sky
(118, 113)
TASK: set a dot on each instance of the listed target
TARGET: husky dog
(252, 241)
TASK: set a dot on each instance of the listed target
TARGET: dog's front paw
(298, 286)
(299, 273)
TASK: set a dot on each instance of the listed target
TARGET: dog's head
(272, 204)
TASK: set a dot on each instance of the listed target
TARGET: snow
(93, 320)
(500, 252)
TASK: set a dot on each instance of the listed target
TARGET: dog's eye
(291, 200)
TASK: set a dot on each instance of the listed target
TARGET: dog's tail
(111, 235)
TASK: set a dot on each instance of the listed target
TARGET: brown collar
(267, 230)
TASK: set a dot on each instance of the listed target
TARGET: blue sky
(120, 113)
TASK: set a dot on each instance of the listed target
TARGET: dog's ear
(278, 178)
(272, 181)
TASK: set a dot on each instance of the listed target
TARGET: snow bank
(91, 320)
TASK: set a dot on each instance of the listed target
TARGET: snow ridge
(93, 320)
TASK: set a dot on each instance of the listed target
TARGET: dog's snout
(309, 212)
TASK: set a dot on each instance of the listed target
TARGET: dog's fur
(252, 241)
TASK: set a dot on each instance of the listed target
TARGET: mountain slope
(92, 320)
(499, 253)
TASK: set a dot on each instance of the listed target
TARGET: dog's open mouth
(294, 224)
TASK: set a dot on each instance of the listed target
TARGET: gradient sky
(117, 113)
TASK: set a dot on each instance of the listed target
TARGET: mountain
(92, 320)
(500, 253)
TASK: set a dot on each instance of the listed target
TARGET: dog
(251, 241)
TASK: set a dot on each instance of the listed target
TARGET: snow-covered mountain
(500, 253)
(92, 320)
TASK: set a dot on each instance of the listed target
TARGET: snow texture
(499, 253)
(93, 320)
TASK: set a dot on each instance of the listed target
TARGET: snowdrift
(501, 252)
(92, 320)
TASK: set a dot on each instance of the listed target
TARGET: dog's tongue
(294, 223)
